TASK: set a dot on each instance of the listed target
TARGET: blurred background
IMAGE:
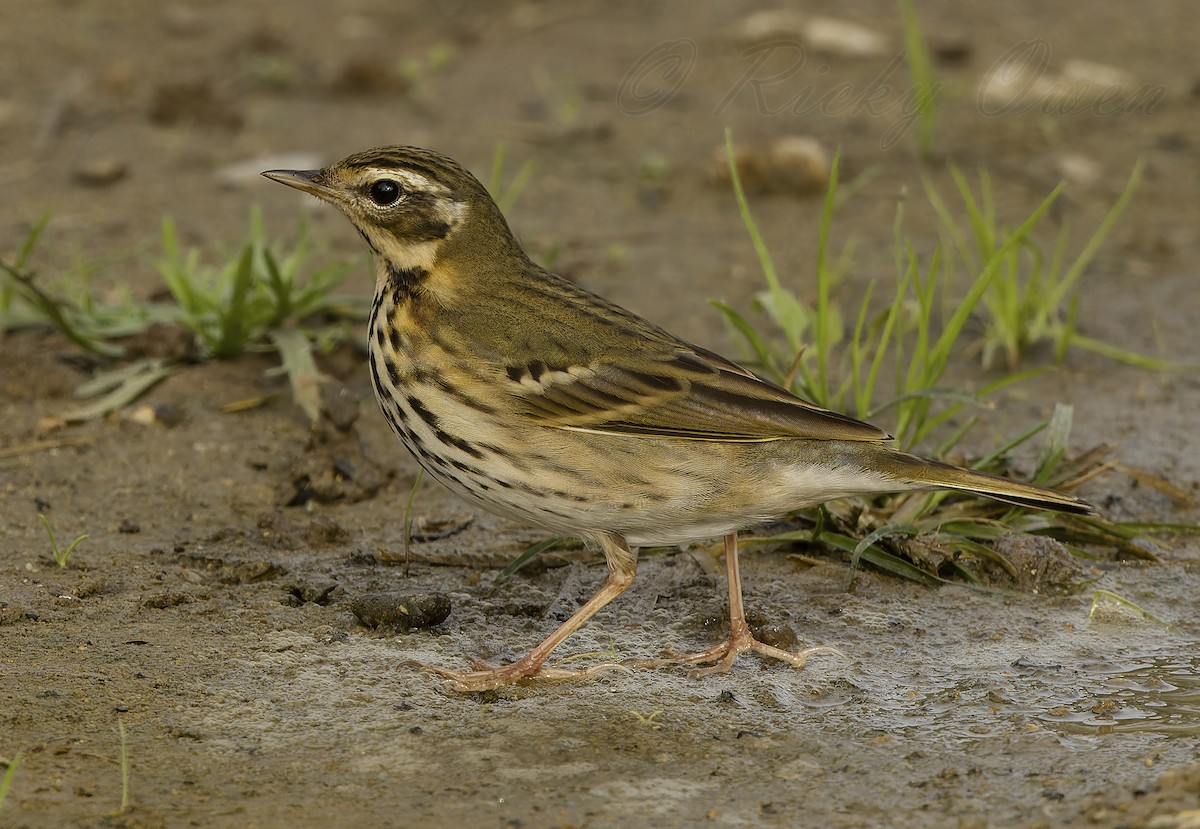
(227, 533)
(114, 114)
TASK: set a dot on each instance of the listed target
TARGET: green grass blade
(9, 775)
(124, 762)
(1058, 433)
(823, 319)
(985, 240)
(760, 247)
(878, 557)
(876, 535)
(1097, 239)
(58, 314)
(278, 286)
(925, 87)
(106, 381)
(1100, 596)
(172, 270)
(132, 386)
(496, 177)
(862, 391)
(528, 555)
(31, 240)
(408, 512)
(506, 196)
(1132, 358)
(946, 223)
(762, 353)
(516, 187)
(987, 460)
(62, 562)
(954, 327)
(303, 376)
(954, 437)
(235, 327)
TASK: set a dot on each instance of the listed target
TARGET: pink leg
(740, 638)
(622, 565)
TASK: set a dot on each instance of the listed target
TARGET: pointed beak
(310, 181)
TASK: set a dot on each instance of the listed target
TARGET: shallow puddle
(1155, 693)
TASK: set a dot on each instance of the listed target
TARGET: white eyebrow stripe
(409, 180)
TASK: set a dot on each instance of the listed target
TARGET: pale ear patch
(453, 213)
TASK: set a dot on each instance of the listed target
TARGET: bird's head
(414, 207)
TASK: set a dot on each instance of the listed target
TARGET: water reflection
(1159, 694)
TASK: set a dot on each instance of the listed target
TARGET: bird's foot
(723, 655)
(487, 677)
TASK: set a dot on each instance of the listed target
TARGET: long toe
(723, 655)
(733, 648)
(488, 678)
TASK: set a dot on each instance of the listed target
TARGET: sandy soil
(214, 622)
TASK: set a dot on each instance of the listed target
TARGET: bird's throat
(404, 281)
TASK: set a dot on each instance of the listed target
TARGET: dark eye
(385, 192)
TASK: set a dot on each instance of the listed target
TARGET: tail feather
(945, 476)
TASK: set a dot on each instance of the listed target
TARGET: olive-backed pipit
(544, 403)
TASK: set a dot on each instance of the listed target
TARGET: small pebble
(827, 35)
(101, 173)
(771, 24)
(1097, 76)
(1019, 84)
(1078, 169)
(163, 414)
(843, 38)
(796, 164)
(952, 51)
(800, 164)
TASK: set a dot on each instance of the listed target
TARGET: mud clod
(400, 611)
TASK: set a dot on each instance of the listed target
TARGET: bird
(537, 400)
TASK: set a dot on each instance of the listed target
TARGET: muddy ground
(213, 621)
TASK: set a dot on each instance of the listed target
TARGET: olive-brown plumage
(542, 402)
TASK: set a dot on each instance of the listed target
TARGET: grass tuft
(60, 555)
(922, 536)
(1033, 298)
(266, 295)
(235, 304)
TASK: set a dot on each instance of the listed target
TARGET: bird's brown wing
(687, 393)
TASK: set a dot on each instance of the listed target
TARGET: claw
(622, 565)
(740, 638)
(488, 678)
(724, 654)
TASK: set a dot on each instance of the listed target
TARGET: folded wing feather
(691, 394)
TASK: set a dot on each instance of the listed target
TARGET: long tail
(944, 476)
